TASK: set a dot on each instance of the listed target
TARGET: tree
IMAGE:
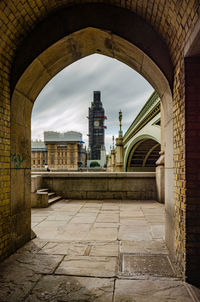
(94, 164)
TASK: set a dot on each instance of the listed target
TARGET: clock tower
(96, 127)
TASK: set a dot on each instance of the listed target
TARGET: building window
(38, 162)
(34, 161)
(43, 161)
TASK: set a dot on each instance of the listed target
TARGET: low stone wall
(85, 185)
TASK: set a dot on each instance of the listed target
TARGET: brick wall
(192, 138)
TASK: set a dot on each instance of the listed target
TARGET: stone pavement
(102, 251)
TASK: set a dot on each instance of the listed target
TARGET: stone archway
(38, 68)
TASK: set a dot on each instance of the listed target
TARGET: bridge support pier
(160, 178)
(119, 155)
(112, 167)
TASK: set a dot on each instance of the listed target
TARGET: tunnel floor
(95, 250)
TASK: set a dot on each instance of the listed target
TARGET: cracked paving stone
(88, 266)
(40, 264)
(72, 289)
(58, 248)
(156, 290)
(33, 246)
(16, 280)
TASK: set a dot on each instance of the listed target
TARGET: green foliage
(94, 164)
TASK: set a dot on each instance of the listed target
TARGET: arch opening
(62, 53)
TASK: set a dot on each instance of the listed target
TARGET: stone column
(112, 167)
(109, 163)
(119, 155)
(160, 177)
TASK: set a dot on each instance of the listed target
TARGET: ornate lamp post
(120, 147)
(120, 124)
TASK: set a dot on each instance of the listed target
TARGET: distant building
(59, 151)
(97, 130)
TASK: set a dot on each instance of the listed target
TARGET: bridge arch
(134, 142)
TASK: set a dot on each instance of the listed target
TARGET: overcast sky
(63, 103)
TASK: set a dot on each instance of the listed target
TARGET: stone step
(51, 194)
(42, 190)
(54, 199)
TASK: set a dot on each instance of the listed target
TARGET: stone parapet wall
(101, 185)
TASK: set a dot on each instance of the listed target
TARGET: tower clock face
(96, 123)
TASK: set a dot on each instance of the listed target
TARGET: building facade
(96, 127)
(59, 151)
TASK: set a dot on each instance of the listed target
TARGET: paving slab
(33, 246)
(81, 227)
(94, 205)
(40, 264)
(148, 247)
(38, 218)
(88, 266)
(88, 210)
(20, 272)
(41, 212)
(108, 218)
(106, 207)
(158, 231)
(153, 211)
(59, 216)
(72, 289)
(143, 264)
(131, 213)
(155, 219)
(83, 219)
(16, 281)
(135, 233)
(73, 231)
(151, 291)
(33, 224)
(50, 229)
(67, 248)
(110, 249)
(102, 234)
(133, 221)
(106, 225)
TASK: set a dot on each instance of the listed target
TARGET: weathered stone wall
(78, 185)
(192, 205)
(173, 20)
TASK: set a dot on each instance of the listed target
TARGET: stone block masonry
(134, 186)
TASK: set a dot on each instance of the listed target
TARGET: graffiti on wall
(17, 158)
